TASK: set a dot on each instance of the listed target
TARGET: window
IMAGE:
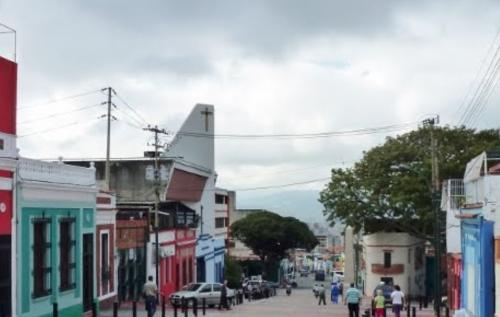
(105, 272)
(66, 250)
(219, 199)
(206, 289)
(219, 223)
(41, 257)
(387, 259)
(217, 287)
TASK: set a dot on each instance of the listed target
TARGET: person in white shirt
(397, 297)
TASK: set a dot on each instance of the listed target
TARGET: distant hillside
(301, 204)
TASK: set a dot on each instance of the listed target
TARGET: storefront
(478, 267)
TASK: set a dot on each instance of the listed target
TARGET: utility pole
(437, 213)
(157, 147)
(110, 92)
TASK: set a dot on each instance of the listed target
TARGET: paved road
(300, 304)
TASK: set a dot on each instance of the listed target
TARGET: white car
(208, 291)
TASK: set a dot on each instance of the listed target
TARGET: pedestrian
(341, 289)
(379, 303)
(353, 299)
(249, 290)
(150, 292)
(335, 293)
(398, 298)
(315, 290)
(223, 297)
(321, 294)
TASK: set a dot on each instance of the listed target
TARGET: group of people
(397, 299)
(352, 296)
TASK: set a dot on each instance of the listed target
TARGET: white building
(481, 236)
(395, 258)
(193, 151)
(224, 203)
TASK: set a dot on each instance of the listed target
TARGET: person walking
(315, 290)
(398, 298)
(335, 293)
(379, 304)
(322, 294)
(353, 299)
(150, 292)
(223, 297)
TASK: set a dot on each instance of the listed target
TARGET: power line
(141, 118)
(364, 131)
(51, 101)
(62, 113)
(56, 128)
(483, 61)
(333, 164)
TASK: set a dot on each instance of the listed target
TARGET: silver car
(208, 291)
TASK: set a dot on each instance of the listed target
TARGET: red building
(177, 261)
(454, 280)
(105, 249)
(8, 154)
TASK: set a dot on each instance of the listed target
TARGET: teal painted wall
(69, 302)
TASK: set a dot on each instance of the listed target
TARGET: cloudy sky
(276, 66)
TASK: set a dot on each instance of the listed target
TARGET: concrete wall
(407, 261)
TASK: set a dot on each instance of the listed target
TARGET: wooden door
(88, 271)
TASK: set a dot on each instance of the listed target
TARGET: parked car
(386, 291)
(304, 273)
(208, 291)
(319, 276)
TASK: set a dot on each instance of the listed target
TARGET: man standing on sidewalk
(353, 299)
(322, 294)
(150, 292)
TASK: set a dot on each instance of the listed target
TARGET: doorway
(88, 271)
(5, 276)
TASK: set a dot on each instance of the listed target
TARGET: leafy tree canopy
(270, 236)
(390, 188)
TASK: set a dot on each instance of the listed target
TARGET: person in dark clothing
(223, 297)
(322, 294)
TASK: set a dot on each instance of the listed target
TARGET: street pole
(157, 147)
(437, 214)
(108, 139)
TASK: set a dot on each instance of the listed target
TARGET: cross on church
(206, 113)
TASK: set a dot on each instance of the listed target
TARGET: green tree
(232, 272)
(270, 236)
(393, 181)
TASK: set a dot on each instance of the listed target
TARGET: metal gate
(131, 273)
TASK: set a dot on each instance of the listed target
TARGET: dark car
(319, 276)
(386, 291)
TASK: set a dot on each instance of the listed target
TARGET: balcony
(482, 184)
(394, 269)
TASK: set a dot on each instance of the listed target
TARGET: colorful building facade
(8, 163)
(55, 226)
(106, 269)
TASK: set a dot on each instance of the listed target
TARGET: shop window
(41, 257)
(67, 254)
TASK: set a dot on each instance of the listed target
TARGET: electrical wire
(56, 128)
(141, 118)
(365, 131)
(62, 113)
(61, 99)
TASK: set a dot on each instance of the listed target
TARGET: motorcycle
(288, 290)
